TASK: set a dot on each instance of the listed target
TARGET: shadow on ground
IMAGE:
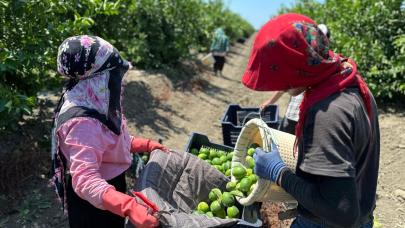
(389, 107)
(142, 109)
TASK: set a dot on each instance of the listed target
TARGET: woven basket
(257, 131)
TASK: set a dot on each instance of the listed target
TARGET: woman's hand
(264, 105)
(126, 206)
(142, 145)
(268, 165)
(153, 145)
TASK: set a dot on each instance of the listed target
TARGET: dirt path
(161, 107)
(174, 114)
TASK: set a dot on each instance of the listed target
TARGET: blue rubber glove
(268, 165)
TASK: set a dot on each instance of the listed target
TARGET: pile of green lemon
(222, 204)
(219, 159)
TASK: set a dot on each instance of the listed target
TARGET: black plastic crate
(197, 140)
(235, 117)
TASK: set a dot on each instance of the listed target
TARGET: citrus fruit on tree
(228, 173)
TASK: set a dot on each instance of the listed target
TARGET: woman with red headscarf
(338, 141)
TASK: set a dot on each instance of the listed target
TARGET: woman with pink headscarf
(91, 145)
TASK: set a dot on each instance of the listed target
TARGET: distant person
(91, 145)
(291, 115)
(338, 135)
(219, 49)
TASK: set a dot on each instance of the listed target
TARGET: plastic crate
(198, 140)
(235, 117)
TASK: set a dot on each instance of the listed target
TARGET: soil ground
(161, 106)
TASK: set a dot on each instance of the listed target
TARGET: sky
(257, 12)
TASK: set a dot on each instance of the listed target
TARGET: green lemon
(238, 172)
(209, 214)
(251, 151)
(228, 199)
(237, 193)
(228, 173)
(203, 206)
(198, 212)
(204, 150)
(202, 156)
(232, 212)
(213, 154)
(194, 151)
(249, 172)
(216, 161)
(250, 162)
(221, 213)
(229, 156)
(376, 224)
(221, 153)
(223, 159)
(231, 185)
(253, 178)
(251, 189)
(219, 168)
(226, 165)
(214, 194)
(145, 158)
(237, 186)
(245, 184)
(215, 206)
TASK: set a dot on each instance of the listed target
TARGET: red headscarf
(290, 52)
